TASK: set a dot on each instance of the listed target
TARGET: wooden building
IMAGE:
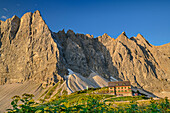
(120, 88)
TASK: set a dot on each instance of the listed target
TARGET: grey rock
(134, 59)
(30, 51)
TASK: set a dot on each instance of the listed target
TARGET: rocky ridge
(134, 59)
(29, 50)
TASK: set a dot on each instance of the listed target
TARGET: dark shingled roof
(119, 83)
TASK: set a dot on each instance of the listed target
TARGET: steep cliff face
(134, 59)
(30, 51)
(85, 54)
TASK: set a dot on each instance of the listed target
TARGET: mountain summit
(30, 51)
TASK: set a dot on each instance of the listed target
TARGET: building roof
(119, 83)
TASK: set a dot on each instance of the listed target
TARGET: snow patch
(70, 72)
(113, 79)
(92, 71)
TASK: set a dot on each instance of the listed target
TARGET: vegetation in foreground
(84, 102)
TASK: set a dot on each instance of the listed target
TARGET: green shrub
(85, 103)
(27, 105)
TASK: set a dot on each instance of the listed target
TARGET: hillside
(86, 101)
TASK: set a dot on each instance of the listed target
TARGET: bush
(27, 105)
(84, 104)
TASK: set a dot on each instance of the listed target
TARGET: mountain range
(34, 58)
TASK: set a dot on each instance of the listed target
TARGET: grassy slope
(87, 101)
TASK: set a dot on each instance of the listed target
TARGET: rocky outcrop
(30, 51)
(134, 59)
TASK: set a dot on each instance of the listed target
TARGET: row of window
(121, 88)
(122, 84)
(121, 91)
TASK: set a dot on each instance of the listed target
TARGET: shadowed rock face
(134, 59)
(30, 51)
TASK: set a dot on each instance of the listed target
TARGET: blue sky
(151, 18)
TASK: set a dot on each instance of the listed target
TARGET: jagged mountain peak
(11, 19)
(122, 37)
(123, 33)
(70, 32)
(63, 31)
(36, 16)
(37, 12)
(27, 16)
(30, 51)
(139, 35)
(105, 35)
(33, 48)
(89, 36)
(141, 40)
(15, 17)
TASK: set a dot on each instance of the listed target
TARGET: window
(129, 87)
(125, 87)
(122, 90)
(122, 87)
(125, 90)
(118, 87)
(119, 91)
(111, 91)
(111, 88)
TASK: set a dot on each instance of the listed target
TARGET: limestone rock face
(27, 50)
(134, 59)
(30, 51)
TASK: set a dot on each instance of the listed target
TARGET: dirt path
(148, 100)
